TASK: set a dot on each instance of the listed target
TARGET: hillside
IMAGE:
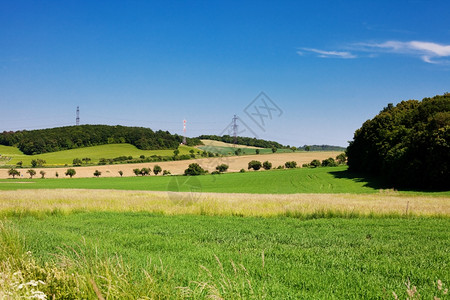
(72, 137)
(10, 156)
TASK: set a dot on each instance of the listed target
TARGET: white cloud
(429, 52)
(325, 54)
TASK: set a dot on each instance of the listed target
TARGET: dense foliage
(408, 144)
(321, 148)
(71, 137)
(247, 141)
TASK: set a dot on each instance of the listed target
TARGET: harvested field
(177, 167)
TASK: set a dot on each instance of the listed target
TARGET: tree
(137, 172)
(191, 151)
(86, 160)
(166, 172)
(77, 162)
(13, 172)
(255, 165)
(71, 172)
(307, 148)
(267, 165)
(19, 164)
(329, 162)
(142, 157)
(56, 174)
(194, 169)
(145, 171)
(274, 149)
(315, 163)
(293, 149)
(341, 159)
(31, 172)
(157, 169)
(290, 165)
(222, 168)
(120, 173)
(42, 174)
(97, 173)
(37, 163)
(257, 151)
(176, 152)
(238, 151)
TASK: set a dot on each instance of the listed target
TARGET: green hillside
(12, 155)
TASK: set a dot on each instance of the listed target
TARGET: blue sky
(327, 65)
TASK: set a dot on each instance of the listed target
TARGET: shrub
(145, 171)
(306, 166)
(142, 157)
(315, 163)
(120, 173)
(242, 171)
(267, 165)
(194, 169)
(257, 151)
(77, 162)
(56, 174)
(97, 173)
(290, 164)
(71, 172)
(255, 165)
(341, 159)
(157, 169)
(137, 171)
(329, 162)
(42, 174)
(215, 173)
(222, 168)
(166, 172)
(280, 167)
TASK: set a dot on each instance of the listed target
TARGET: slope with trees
(408, 144)
(71, 137)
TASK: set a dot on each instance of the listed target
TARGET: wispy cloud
(429, 52)
(323, 53)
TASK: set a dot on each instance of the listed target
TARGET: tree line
(70, 137)
(247, 141)
(408, 144)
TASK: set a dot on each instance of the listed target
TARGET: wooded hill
(247, 141)
(71, 137)
(408, 144)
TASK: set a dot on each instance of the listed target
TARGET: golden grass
(171, 203)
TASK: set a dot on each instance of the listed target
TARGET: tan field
(177, 167)
(212, 143)
(171, 203)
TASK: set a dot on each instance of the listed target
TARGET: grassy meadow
(301, 233)
(287, 181)
(138, 255)
(66, 157)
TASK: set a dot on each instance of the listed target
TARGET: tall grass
(48, 202)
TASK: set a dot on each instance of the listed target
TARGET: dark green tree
(13, 172)
(315, 163)
(255, 165)
(290, 165)
(71, 172)
(194, 169)
(267, 165)
(31, 172)
(77, 162)
(157, 169)
(42, 174)
(97, 173)
(222, 168)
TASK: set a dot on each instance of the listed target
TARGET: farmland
(319, 233)
(61, 158)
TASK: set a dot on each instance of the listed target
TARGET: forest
(407, 144)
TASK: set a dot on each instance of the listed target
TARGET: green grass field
(288, 181)
(130, 255)
(62, 158)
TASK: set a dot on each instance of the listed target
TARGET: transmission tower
(78, 116)
(184, 132)
(235, 129)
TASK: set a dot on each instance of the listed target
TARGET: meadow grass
(64, 157)
(303, 206)
(139, 255)
(329, 180)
